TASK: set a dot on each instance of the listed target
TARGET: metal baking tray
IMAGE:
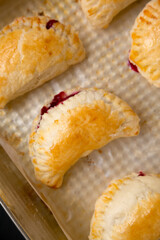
(105, 66)
(25, 208)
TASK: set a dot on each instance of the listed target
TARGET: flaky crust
(85, 122)
(145, 49)
(31, 54)
(143, 220)
(101, 12)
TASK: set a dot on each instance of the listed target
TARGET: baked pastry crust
(101, 12)
(69, 131)
(128, 209)
(31, 54)
(145, 49)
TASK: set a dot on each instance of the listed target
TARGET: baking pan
(105, 66)
(27, 211)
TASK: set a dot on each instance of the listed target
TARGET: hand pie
(145, 49)
(72, 125)
(129, 209)
(32, 51)
(101, 12)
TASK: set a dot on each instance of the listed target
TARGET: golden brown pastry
(145, 49)
(129, 209)
(72, 125)
(101, 12)
(32, 51)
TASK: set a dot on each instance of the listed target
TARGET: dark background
(7, 228)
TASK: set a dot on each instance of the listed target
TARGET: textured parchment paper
(105, 66)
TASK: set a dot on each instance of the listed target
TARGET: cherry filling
(59, 98)
(141, 174)
(50, 23)
(133, 67)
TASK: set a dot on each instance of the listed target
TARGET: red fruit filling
(50, 23)
(133, 67)
(141, 174)
(59, 98)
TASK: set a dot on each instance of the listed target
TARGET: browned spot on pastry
(144, 20)
(136, 133)
(38, 28)
(149, 14)
(31, 140)
(2, 100)
(92, 11)
(34, 160)
(47, 40)
(3, 81)
(37, 169)
(75, 39)
(135, 36)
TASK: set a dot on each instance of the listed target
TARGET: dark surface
(8, 230)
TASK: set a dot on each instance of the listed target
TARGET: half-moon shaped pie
(129, 209)
(145, 49)
(34, 50)
(101, 12)
(74, 124)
